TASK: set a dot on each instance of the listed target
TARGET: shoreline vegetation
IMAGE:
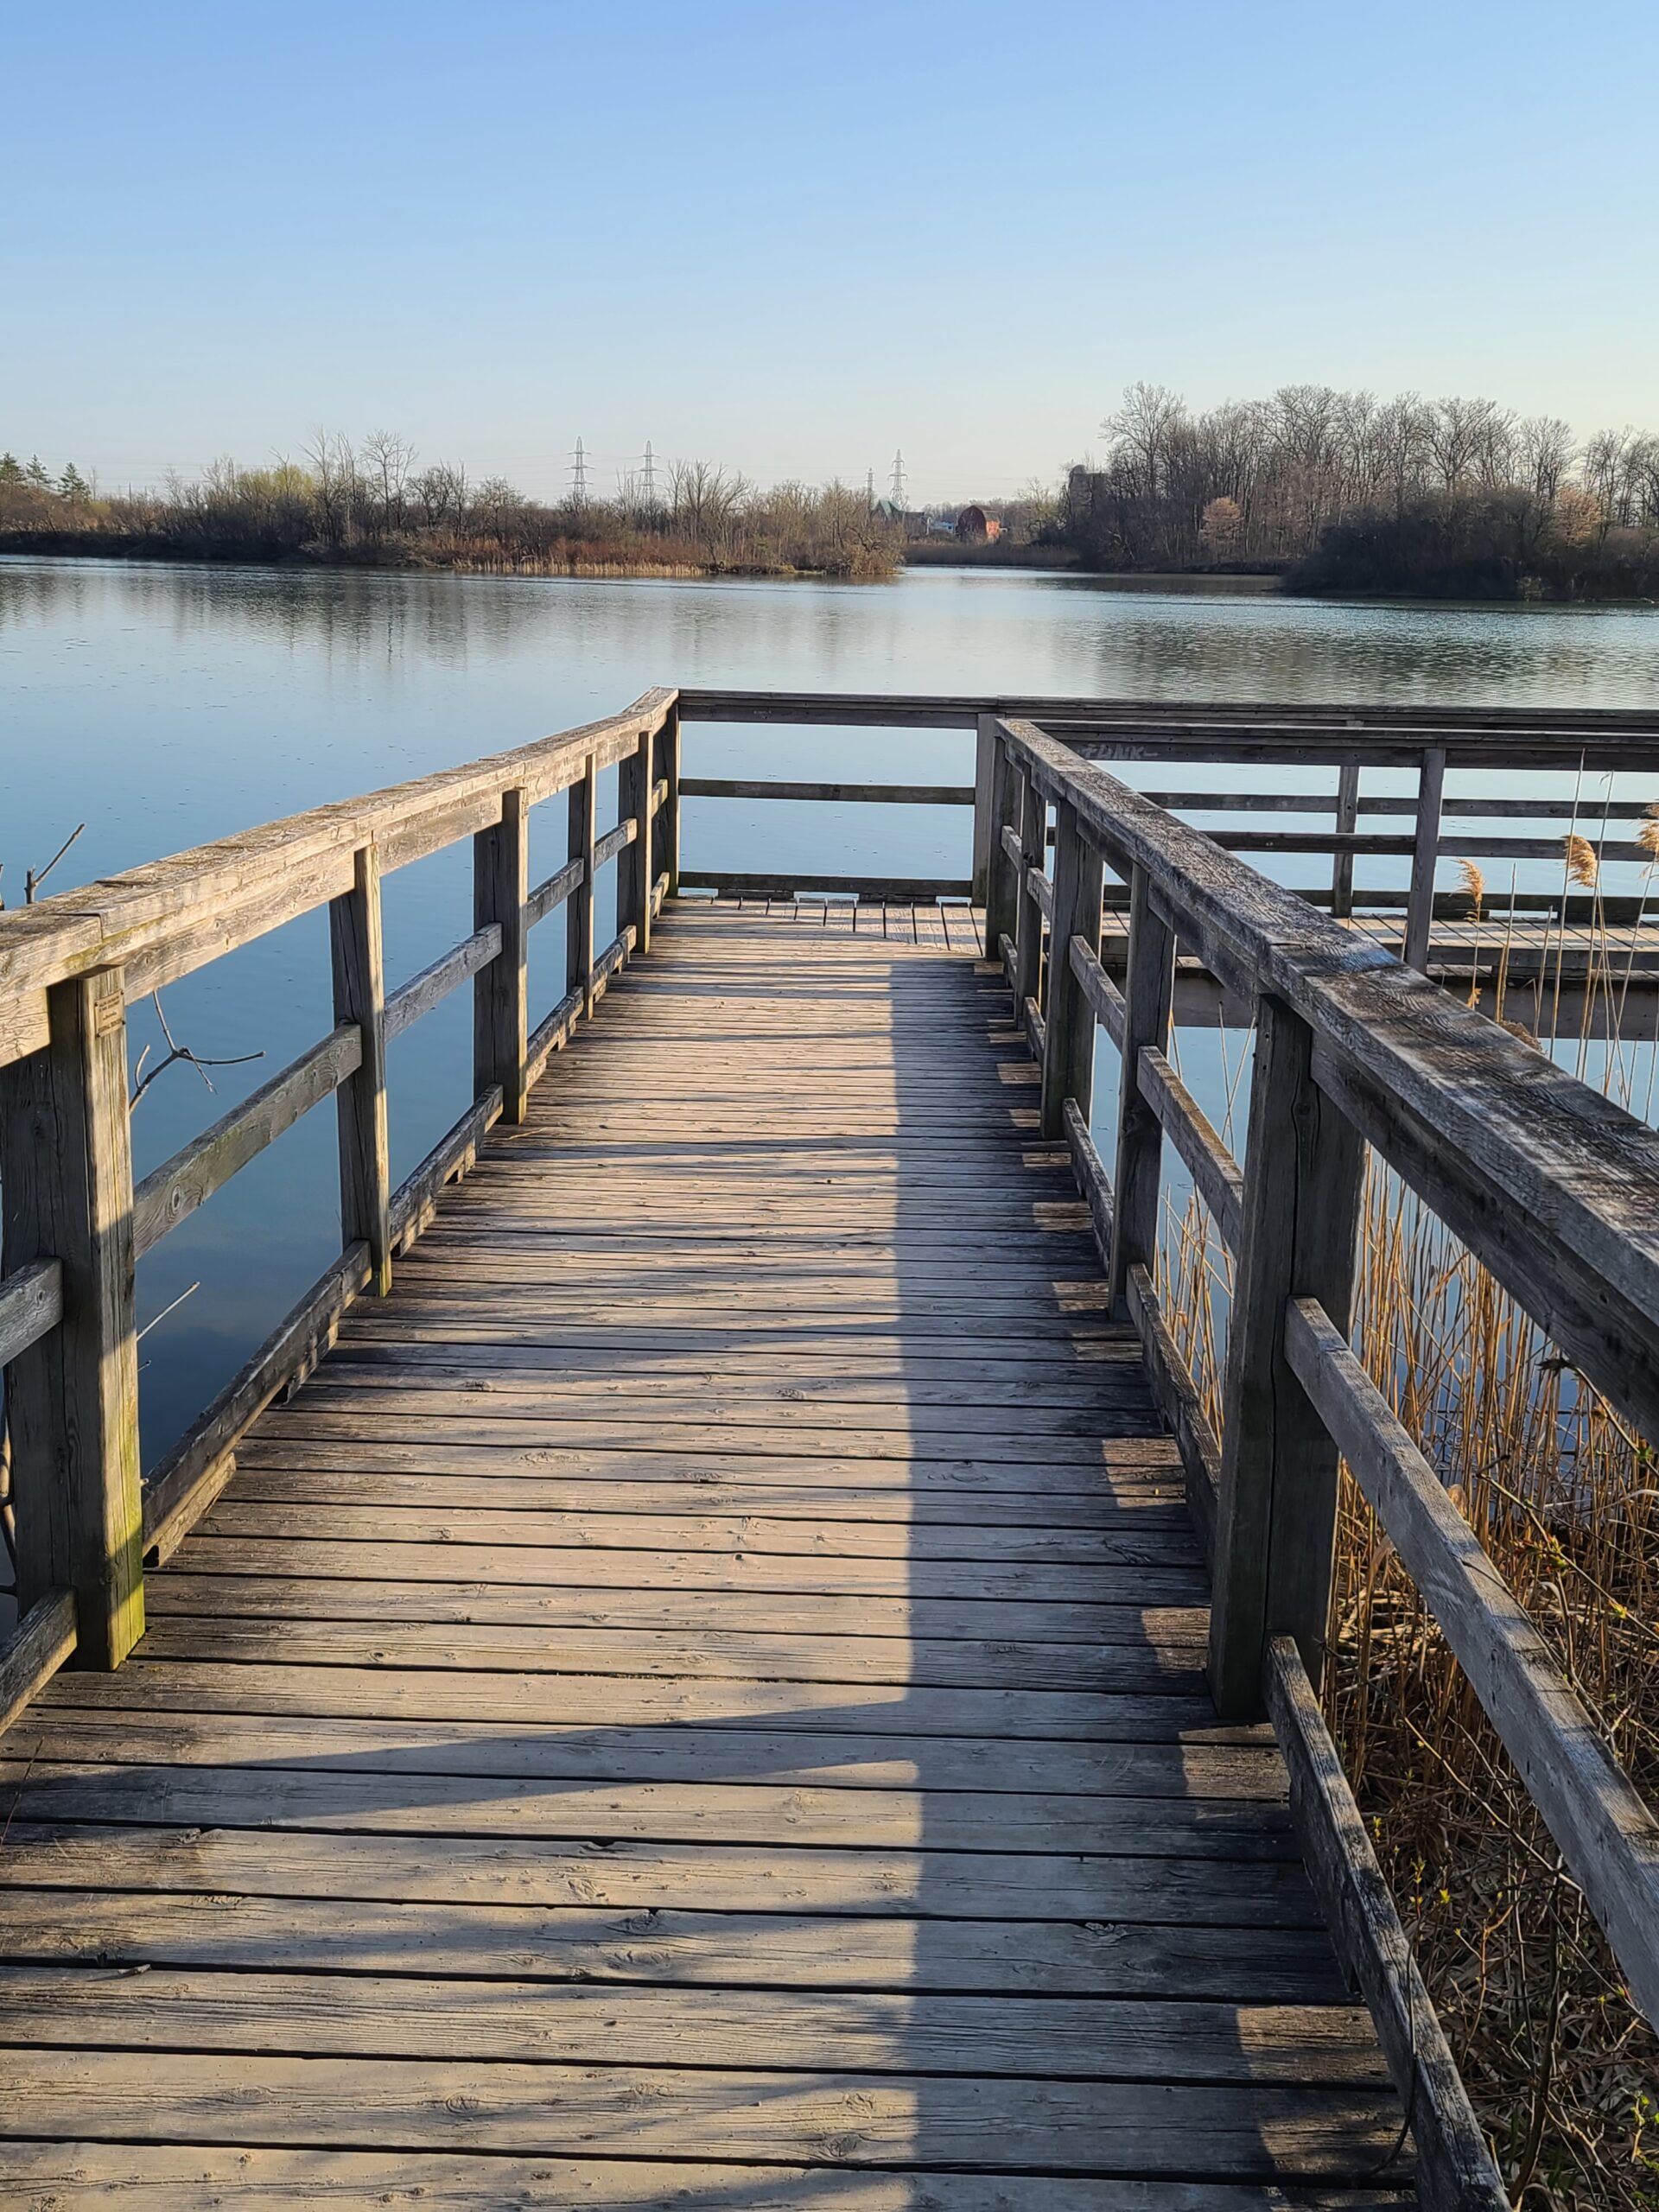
(370, 506)
(1314, 492)
(1345, 494)
(1562, 2068)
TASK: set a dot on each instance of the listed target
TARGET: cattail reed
(1563, 2071)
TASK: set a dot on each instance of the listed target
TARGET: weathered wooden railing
(1552, 1187)
(75, 1225)
(1343, 741)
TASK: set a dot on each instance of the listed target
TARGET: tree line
(371, 503)
(1345, 490)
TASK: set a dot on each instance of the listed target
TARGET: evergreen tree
(11, 470)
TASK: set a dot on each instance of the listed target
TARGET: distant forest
(372, 505)
(1344, 493)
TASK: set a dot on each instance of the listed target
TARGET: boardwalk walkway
(699, 1702)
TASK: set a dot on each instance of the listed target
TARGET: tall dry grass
(1562, 2070)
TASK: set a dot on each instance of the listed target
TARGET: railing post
(1001, 886)
(1342, 867)
(1028, 936)
(633, 863)
(1069, 1035)
(986, 824)
(671, 814)
(1275, 1535)
(500, 997)
(1420, 904)
(579, 908)
(66, 1172)
(361, 1102)
(1148, 999)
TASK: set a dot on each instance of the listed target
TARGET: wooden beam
(31, 1302)
(1148, 996)
(360, 1003)
(1426, 847)
(1304, 1163)
(553, 1030)
(984, 804)
(829, 793)
(172, 1193)
(500, 996)
(1215, 1174)
(43, 1640)
(165, 918)
(553, 890)
(1455, 2170)
(1607, 1835)
(434, 983)
(1002, 883)
(1028, 936)
(906, 890)
(416, 1200)
(1179, 1401)
(1555, 1188)
(634, 872)
(1100, 990)
(1068, 1017)
(71, 1394)
(579, 922)
(201, 1462)
(1092, 1179)
(669, 828)
(1342, 867)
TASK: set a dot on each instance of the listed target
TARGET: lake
(164, 706)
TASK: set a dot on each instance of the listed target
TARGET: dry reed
(1563, 2071)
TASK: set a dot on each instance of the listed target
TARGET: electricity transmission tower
(579, 475)
(899, 480)
(651, 479)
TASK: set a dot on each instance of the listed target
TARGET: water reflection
(167, 705)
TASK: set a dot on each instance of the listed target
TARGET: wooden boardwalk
(700, 1701)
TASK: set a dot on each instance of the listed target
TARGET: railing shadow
(1013, 1892)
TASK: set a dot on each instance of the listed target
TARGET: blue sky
(795, 238)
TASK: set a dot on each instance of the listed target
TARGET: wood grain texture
(1276, 1528)
(1607, 1835)
(711, 1667)
(72, 1394)
(358, 960)
(31, 1302)
(1456, 2171)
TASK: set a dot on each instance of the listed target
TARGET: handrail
(164, 919)
(1555, 736)
(76, 1221)
(1555, 1188)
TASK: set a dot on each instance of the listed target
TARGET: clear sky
(795, 236)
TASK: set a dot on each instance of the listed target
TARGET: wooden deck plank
(700, 1698)
(76, 2177)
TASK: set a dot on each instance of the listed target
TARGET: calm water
(167, 706)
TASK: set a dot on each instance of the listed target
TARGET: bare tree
(388, 459)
